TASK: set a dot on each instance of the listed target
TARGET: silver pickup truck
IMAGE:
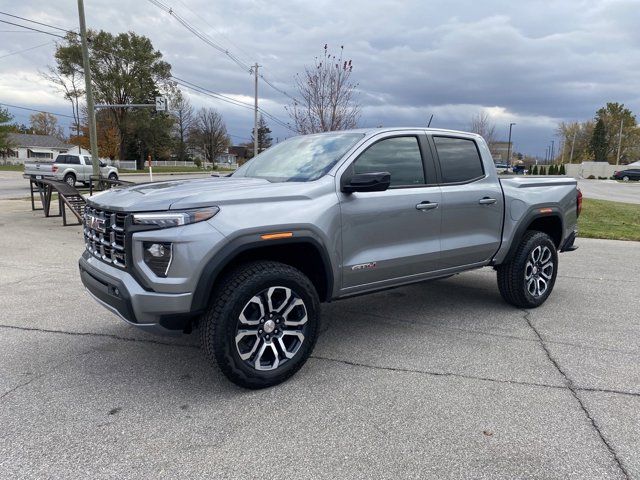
(317, 218)
(70, 168)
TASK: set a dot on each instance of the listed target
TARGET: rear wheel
(528, 278)
(625, 178)
(262, 325)
(70, 179)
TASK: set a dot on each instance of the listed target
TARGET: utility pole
(553, 152)
(619, 141)
(93, 136)
(255, 110)
(509, 146)
(573, 144)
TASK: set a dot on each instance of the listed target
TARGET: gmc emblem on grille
(96, 223)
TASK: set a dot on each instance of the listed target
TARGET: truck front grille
(104, 235)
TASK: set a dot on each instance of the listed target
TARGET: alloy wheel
(271, 328)
(538, 271)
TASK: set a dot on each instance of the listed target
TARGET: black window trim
(434, 152)
(425, 156)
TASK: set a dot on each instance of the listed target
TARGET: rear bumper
(118, 292)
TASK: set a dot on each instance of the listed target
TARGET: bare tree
(43, 123)
(326, 96)
(184, 120)
(481, 124)
(70, 84)
(209, 133)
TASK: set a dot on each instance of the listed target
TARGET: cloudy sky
(534, 63)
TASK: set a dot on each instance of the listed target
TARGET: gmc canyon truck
(70, 168)
(249, 258)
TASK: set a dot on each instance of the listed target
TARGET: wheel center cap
(269, 326)
(535, 270)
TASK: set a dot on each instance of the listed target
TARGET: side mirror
(102, 164)
(367, 182)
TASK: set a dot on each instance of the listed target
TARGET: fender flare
(231, 250)
(528, 218)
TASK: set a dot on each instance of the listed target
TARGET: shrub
(562, 170)
(197, 162)
(591, 177)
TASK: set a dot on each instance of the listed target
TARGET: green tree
(613, 115)
(264, 138)
(562, 170)
(599, 145)
(5, 128)
(125, 69)
(534, 170)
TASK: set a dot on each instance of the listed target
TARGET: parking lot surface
(610, 190)
(436, 380)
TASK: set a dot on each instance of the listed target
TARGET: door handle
(426, 206)
(487, 201)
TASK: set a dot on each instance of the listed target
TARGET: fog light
(158, 256)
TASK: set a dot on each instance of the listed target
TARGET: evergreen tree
(599, 144)
(562, 170)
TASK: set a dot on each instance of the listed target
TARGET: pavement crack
(42, 375)
(436, 374)
(92, 334)
(574, 391)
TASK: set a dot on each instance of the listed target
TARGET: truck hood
(193, 193)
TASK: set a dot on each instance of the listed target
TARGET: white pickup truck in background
(69, 167)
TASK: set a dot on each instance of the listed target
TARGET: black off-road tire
(512, 283)
(219, 325)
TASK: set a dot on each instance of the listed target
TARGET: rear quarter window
(459, 159)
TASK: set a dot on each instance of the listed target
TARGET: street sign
(161, 104)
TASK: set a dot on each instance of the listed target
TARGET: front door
(396, 233)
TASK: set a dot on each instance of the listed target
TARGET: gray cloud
(535, 63)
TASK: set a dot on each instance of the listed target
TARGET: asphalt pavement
(436, 380)
(628, 192)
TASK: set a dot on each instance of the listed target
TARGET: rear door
(396, 233)
(472, 202)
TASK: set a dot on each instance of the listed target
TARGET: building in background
(499, 151)
(29, 147)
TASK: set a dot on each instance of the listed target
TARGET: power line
(34, 21)
(25, 50)
(233, 101)
(34, 29)
(39, 111)
(202, 36)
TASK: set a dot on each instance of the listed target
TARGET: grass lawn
(612, 220)
(11, 168)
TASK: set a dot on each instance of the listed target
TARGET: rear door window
(61, 159)
(73, 160)
(460, 160)
(400, 156)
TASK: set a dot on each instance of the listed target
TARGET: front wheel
(528, 278)
(625, 178)
(262, 324)
(113, 176)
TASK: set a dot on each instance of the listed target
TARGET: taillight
(579, 201)
(54, 168)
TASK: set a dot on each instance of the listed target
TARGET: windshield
(300, 159)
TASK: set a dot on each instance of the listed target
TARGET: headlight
(174, 219)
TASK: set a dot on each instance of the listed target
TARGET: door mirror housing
(367, 182)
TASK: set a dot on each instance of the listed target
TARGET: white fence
(588, 169)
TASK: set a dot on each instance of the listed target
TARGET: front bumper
(119, 292)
